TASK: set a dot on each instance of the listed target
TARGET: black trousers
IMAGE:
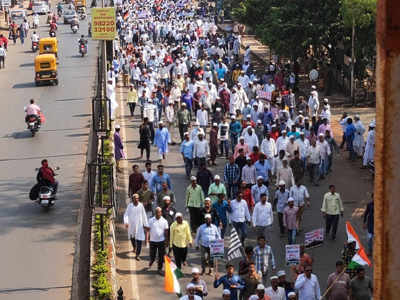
(160, 248)
(280, 219)
(195, 218)
(331, 222)
(151, 125)
(2, 61)
(137, 246)
(132, 106)
(147, 148)
(180, 255)
(182, 129)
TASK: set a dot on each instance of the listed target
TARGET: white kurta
(369, 148)
(358, 142)
(136, 218)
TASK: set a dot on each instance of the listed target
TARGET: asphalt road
(138, 282)
(37, 246)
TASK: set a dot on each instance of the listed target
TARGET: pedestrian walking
(263, 217)
(263, 258)
(307, 285)
(158, 237)
(194, 202)
(338, 284)
(3, 55)
(136, 181)
(239, 216)
(118, 147)
(281, 199)
(135, 220)
(361, 287)
(161, 139)
(180, 240)
(231, 177)
(132, 99)
(290, 220)
(332, 208)
(187, 148)
(144, 138)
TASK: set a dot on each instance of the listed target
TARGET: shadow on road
(77, 134)
(21, 135)
(27, 64)
(24, 85)
(32, 289)
(70, 99)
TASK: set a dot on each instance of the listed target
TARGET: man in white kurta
(370, 145)
(358, 142)
(135, 219)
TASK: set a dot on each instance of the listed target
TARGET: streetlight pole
(353, 33)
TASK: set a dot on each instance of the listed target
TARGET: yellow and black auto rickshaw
(46, 69)
(48, 45)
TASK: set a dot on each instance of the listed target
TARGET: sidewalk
(140, 283)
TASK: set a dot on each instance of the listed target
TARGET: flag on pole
(352, 235)
(172, 274)
(359, 259)
(234, 246)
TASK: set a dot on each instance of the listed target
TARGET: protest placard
(217, 248)
(314, 238)
(264, 94)
(292, 254)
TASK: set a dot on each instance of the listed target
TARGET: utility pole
(353, 33)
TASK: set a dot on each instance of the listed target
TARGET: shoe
(137, 258)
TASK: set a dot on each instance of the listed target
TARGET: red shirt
(246, 194)
(47, 174)
(254, 157)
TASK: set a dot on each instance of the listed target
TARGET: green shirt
(194, 196)
(162, 194)
(183, 116)
(216, 189)
(332, 204)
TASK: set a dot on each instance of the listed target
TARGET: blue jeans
(188, 166)
(231, 190)
(291, 236)
(224, 145)
(234, 141)
(323, 167)
(241, 229)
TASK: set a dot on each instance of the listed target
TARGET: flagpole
(331, 285)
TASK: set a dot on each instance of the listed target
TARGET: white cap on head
(215, 124)
(160, 122)
(207, 199)
(217, 177)
(259, 121)
(177, 215)
(260, 287)
(193, 178)
(241, 138)
(197, 123)
(372, 124)
(321, 134)
(314, 87)
(290, 199)
(291, 294)
(283, 131)
(186, 133)
(281, 273)
(260, 177)
(248, 116)
(326, 100)
(207, 216)
(292, 136)
(117, 126)
(282, 182)
(150, 100)
(273, 277)
(218, 109)
(232, 116)
(166, 198)
(190, 286)
(226, 292)
(183, 104)
(195, 271)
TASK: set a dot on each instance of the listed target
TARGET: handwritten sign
(264, 95)
(103, 23)
(217, 248)
(314, 238)
(292, 254)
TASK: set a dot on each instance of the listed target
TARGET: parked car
(40, 8)
(69, 15)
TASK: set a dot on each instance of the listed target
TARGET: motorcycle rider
(35, 38)
(82, 41)
(53, 26)
(59, 8)
(33, 110)
(46, 175)
(75, 22)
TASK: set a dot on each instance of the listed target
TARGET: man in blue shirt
(349, 134)
(231, 177)
(230, 282)
(234, 131)
(158, 179)
(263, 169)
(222, 207)
(187, 147)
(206, 234)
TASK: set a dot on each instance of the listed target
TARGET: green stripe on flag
(353, 265)
(178, 273)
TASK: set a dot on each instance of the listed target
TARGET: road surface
(37, 247)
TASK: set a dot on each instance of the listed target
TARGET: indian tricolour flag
(360, 258)
(172, 274)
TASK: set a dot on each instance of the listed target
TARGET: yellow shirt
(132, 96)
(180, 235)
(332, 204)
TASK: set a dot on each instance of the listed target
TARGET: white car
(40, 8)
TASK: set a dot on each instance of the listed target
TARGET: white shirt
(281, 143)
(149, 112)
(251, 140)
(262, 214)
(268, 147)
(299, 194)
(157, 229)
(308, 288)
(304, 146)
(136, 218)
(170, 114)
(186, 297)
(249, 174)
(240, 211)
(148, 176)
(314, 155)
(324, 149)
(201, 149)
(279, 294)
(202, 117)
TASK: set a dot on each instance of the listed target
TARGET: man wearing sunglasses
(307, 285)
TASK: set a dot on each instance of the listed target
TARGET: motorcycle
(46, 196)
(74, 28)
(35, 46)
(82, 16)
(82, 49)
(33, 124)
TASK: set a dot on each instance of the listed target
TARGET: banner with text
(217, 248)
(292, 254)
(314, 238)
(103, 23)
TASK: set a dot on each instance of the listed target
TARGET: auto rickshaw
(46, 69)
(48, 45)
